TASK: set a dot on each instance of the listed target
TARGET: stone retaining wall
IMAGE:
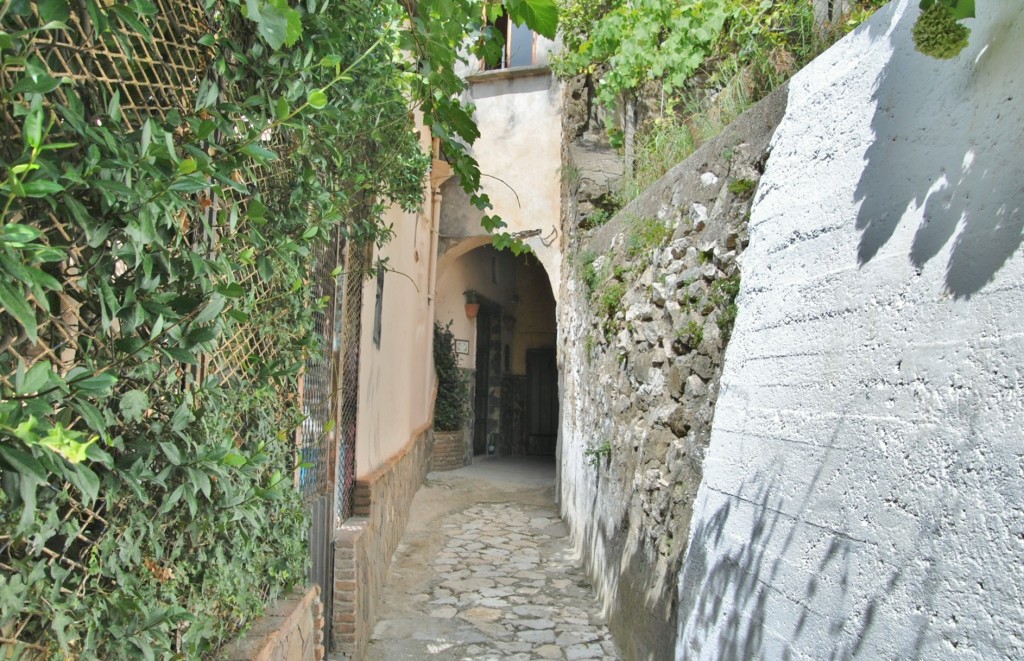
(290, 631)
(365, 543)
(648, 311)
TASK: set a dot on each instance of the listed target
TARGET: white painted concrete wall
(864, 489)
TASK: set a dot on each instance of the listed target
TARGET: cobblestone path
(500, 583)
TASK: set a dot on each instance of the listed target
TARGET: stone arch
(508, 344)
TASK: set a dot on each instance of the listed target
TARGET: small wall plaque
(462, 346)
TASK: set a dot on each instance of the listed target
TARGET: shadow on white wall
(935, 152)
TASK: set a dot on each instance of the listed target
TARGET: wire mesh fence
(152, 70)
(357, 264)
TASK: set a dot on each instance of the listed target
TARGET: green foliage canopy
(645, 40)
(626, 44)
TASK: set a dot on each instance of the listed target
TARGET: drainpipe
(435, 221)
(440, 172)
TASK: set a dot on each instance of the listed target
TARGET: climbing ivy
(172, 493)
(451, 408)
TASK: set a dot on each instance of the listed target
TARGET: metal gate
(329, 395)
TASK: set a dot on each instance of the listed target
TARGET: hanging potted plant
(472, 303)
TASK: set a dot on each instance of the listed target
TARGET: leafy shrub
(451, 408)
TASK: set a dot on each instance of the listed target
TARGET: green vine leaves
(937, 32)
(279, 24)
(541, 16)
(647, 40)
(133, 245)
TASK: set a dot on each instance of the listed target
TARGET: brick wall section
(365, 543)
(291, 631)
(449, 451)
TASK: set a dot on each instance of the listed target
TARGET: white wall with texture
(864, 489)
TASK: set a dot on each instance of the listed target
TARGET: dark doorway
(483, 362)
(542, 401)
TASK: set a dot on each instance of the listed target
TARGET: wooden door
(483, 363)
(541, 401)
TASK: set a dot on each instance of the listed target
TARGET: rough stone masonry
(650, 303)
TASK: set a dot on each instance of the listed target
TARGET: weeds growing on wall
(588, 271)
(599, 453)
(660, 146)
(609, 304)
(692, 334)
(742, 187)
(645, 234)
(723, 296)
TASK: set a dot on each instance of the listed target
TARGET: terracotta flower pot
(472, 309)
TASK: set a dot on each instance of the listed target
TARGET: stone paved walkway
(498, 582)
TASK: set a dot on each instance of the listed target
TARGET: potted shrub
(451, 408)
(472, 303)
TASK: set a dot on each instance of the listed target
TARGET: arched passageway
(502, 313)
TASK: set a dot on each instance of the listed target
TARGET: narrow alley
(486, 571)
